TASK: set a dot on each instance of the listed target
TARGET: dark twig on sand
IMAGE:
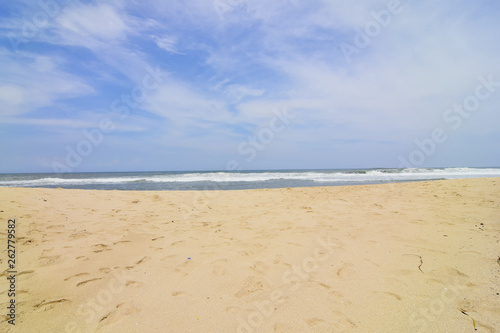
(421, 260)
(473, 321)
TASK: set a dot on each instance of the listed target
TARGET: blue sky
(248, 84)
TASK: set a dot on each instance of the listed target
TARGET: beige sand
(406, 257)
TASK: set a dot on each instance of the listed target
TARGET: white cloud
(184, 106)
(11, 96)
(100, 22)
(398, 86)
(167, 43)
(105, 30)
(234, 92)
(35, 81)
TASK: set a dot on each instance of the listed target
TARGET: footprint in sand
(76, 275)
(47, 305)
(25, 272)
(80, 234)
(231, 308)
(372, 262)
(171, 256)
(219, 267)
(156, 198)
(245, 253)
(134, 284)
(184, 268)
(87, 281)
(311, 322)
(336, 294)
(55, 226)
(122, 241)
(346, 272)
(259, 267)
(26, 241)
(120, 311)
(100, 248)
(342, 323)
(322, 284)
(45, 251)
(142, 260)
(178, 293)
(49, 260)
(455, 272)
(396, 296)
(251, 285)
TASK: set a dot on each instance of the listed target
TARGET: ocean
(239, 180)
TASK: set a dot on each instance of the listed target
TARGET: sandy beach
(406, 257)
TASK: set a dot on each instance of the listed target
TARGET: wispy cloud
(30, 81)
(85, 24)
(167, 43)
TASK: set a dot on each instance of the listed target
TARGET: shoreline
(392, 257)
(247, 189)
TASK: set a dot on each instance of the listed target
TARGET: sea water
(235, 180)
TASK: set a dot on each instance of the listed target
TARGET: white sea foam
(327, 176)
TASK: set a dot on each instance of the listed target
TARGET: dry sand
(408, 257)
